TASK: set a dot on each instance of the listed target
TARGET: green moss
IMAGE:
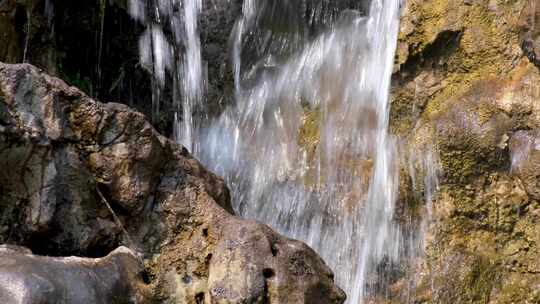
(466, 156)
(481, 280)
(458, 166)
(401, 113)
(309, 138)
(476, 246)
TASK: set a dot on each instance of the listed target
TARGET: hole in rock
(146, 277)
(101, 248)
(199, 298)
(205, 232)
(208, 258)
(268, 273)
(446, 43)
(41, 244)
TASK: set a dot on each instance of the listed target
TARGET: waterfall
(192, 74)
(305, 148)
(339, 194)
(381, 236)
(171, 44)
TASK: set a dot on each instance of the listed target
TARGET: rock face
(467, 85)
(86, 177)
(116, 278)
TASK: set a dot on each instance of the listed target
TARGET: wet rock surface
(86, 177)
(466, 84)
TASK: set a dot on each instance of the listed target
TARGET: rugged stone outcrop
(84, 177)
(467, 85)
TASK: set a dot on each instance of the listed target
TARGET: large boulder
(28, 279)
(85, 177)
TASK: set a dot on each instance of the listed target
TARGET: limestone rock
(284, 271)
(466, 86)
(85, 177)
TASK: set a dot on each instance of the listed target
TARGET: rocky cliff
(467, 85)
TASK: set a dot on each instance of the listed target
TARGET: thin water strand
(170, 49)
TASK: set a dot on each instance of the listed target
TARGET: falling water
(49, 13)
(102, 11)
(192, 74)
(305, 147)
(28, 33)
(179, 53)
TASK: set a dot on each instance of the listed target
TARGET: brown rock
(467, 88)
(86, 177)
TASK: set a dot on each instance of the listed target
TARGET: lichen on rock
(466, 84)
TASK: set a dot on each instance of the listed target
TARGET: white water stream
(305, 148)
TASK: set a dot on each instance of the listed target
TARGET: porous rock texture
(81, 178)
(467, 85)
